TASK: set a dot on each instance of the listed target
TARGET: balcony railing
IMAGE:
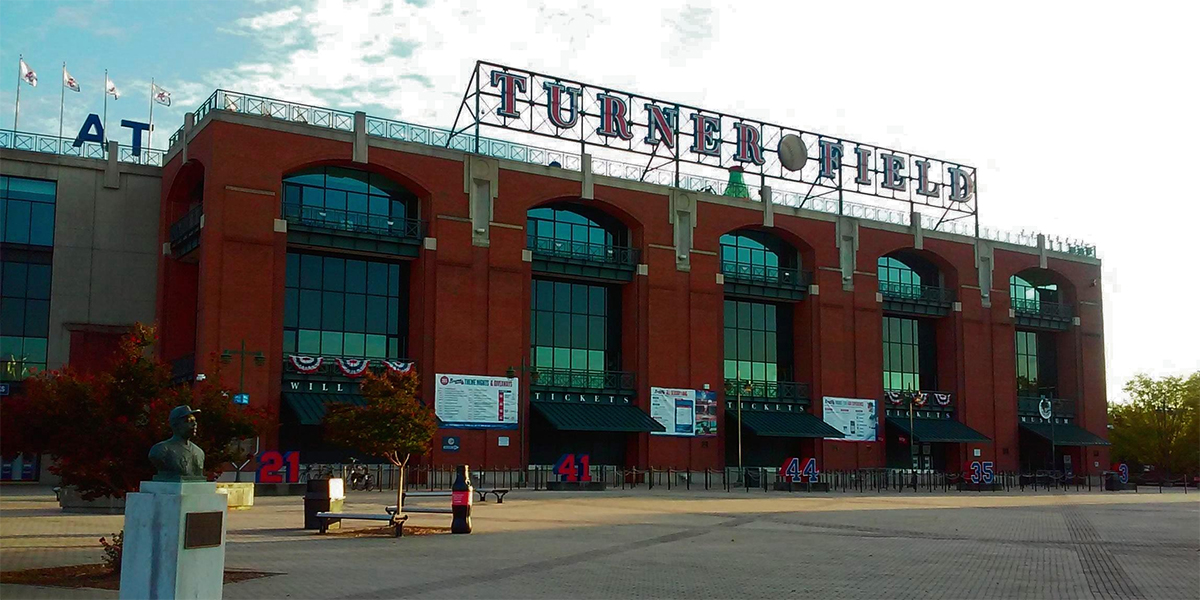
(570, 380)
(49, 144)
(908, 292)
(329, 368)
(776, 276)
(294, 112)
(934, 400)
(767, 391)
(352, 221)
(1041, 308)
(1030, 406)
(585, 251)
(185, 233)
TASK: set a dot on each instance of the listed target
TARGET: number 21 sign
(271, 462)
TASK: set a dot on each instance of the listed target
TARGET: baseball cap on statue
(180, 412)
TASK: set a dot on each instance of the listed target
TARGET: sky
(1079, 116)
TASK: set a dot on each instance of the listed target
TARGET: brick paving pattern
(642, 544)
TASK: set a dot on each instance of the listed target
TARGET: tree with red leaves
(99, 428)
(393, 423)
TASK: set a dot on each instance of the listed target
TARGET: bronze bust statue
(178, 459)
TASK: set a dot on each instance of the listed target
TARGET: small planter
(241, 493)
(71, 502)
(967, 486)
(796, 486)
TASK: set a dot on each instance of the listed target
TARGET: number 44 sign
(793, 471)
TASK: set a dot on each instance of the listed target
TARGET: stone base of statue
(174, 540)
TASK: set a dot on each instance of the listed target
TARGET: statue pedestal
(174, 541)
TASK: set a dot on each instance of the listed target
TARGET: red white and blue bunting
(352, 367)
(894, 397)
(918, 399)
(399, 366)
(306, 364)
(942, 399)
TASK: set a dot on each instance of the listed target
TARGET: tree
(1160, 425)
(99, 428)
(392, 424)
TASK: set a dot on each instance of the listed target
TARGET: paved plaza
(679, 544)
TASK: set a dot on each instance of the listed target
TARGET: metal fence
(52, 144)
(385, 477)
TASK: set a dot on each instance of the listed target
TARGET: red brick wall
(469, 307)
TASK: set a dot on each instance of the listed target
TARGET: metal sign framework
(594, 117)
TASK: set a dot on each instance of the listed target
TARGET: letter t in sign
(510, 84)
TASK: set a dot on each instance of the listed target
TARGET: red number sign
(573, 467)
(271, 462)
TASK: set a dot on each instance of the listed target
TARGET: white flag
(161, 96)
(27, 74)
(111, 89)
(69, 81)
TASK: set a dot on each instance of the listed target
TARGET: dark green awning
(1065, 435)
(310, 408)
(938, 430)
(586, 416)
(785, 424)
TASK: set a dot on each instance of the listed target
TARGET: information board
(684, 412)
(476, 402)
(854, 417)
(706, 413)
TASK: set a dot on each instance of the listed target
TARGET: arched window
(1028, 295)
(758, 255)
(896, 275)
(349, 199)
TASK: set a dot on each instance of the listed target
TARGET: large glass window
(24, 317)
(901, 354)
(1029, 296)
(896, 277)
(1037, 368)
(574, 326)
(757, 341)
(27, 211)
(567, 225)
(347, 197)
(345, 307)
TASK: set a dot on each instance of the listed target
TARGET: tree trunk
(400, 483)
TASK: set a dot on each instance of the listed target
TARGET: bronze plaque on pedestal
(202, 530)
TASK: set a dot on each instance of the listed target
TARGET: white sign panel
(476, 402)
(854, 417)
(674, 409)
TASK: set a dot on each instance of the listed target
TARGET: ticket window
(923, 457)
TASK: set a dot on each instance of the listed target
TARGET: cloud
(271, 20)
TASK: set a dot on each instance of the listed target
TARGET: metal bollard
(461, 499)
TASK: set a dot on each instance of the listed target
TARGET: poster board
(856, 418)
(476, 402)
(688, 413)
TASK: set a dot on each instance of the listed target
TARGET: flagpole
(62, 100)
(150, 141)
(17, 107)
(106, 108)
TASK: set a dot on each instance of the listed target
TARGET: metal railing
(932, 294)
(329, 369)
(385, 478)
(575, 380)
(770, 391)
(51, 144)
(573, 250)
(1042, 308)
(352, 221)
(780, 276)
(185, 233)
(409, 132)
(933, 400)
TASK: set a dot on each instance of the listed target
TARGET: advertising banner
(684, 412)
(706, 413)
(674, 409)
(476, 402)
(854, 417)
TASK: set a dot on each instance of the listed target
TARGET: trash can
(323, 495)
